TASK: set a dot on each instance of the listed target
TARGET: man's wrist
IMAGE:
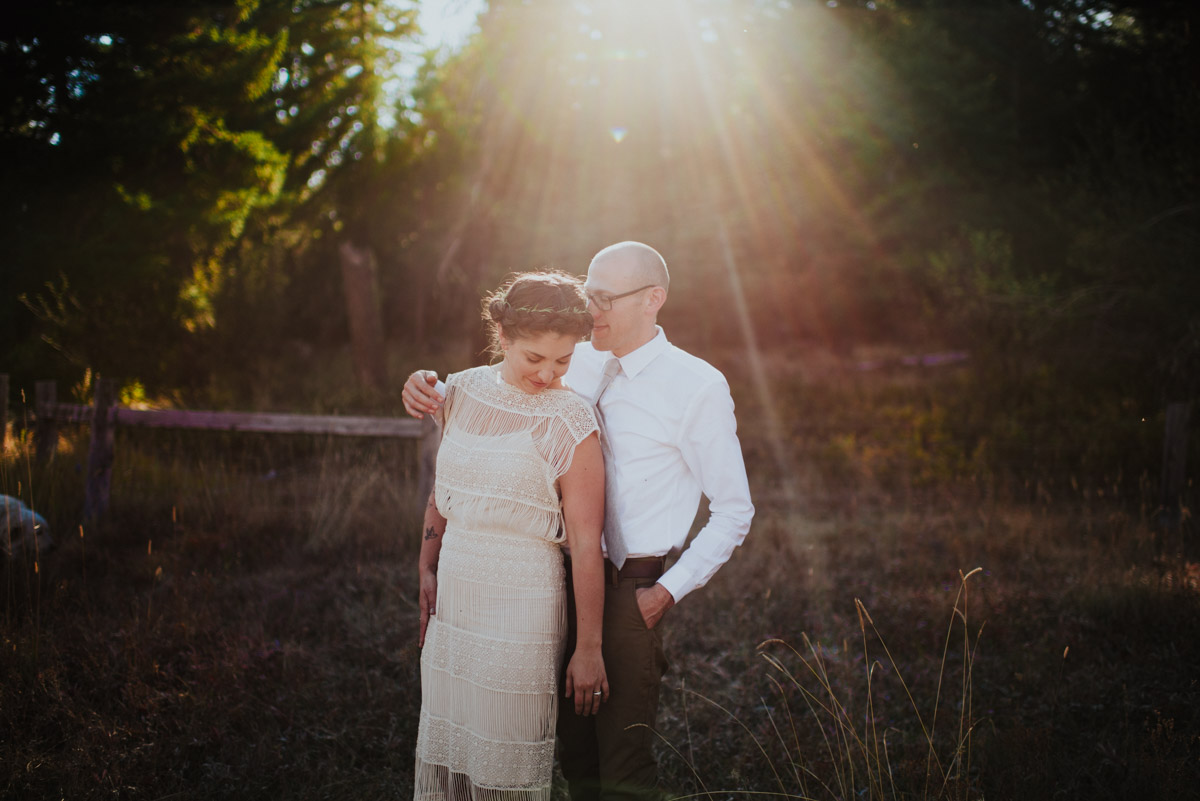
(671, 582)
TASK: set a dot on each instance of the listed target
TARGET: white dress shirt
(669, 421)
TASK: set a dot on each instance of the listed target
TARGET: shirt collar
(634, 362)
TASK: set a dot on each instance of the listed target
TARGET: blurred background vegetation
(186, 184)
(946, 253)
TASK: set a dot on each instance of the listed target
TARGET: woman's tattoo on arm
(430, 534)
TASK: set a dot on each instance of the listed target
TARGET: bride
(519, 476)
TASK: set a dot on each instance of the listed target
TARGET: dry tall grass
(243, 626)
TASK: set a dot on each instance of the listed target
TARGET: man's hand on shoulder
(654, 603)
(419, 396)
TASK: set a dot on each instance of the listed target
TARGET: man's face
(618, 329)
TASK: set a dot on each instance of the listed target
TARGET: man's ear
(655, 299)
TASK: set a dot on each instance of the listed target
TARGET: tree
(150, 136)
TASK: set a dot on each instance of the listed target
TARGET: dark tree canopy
(149, 139)
(1015, 178)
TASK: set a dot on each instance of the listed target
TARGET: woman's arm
(583, 510)
(434, 527)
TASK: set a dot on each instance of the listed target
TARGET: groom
(669, 434)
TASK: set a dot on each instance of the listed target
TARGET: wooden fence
(104, 415)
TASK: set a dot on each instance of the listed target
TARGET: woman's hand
(586, 681)
(428, 600)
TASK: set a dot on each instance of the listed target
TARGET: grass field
(243, 624)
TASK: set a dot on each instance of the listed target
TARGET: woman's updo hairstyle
(535, 302)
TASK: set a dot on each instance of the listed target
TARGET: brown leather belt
(642, 567)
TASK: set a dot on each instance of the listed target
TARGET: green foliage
(903, 446)
(153, 137)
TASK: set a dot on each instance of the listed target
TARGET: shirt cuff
(677, 582)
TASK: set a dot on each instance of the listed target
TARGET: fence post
(1174, 470)
(431, 438)
(3, 409)
(45, 434)
(100, 452)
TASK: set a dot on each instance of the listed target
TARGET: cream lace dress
(489, 669)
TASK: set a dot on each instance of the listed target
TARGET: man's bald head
(641, 263)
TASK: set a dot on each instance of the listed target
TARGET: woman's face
(537, 361)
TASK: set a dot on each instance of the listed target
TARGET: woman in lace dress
(519, 475)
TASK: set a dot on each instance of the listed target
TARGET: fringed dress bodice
(503, 451)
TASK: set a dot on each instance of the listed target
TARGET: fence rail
(104, 416)
(261, 422)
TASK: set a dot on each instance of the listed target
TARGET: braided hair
(536, 302)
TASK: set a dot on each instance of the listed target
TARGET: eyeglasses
(604, 301)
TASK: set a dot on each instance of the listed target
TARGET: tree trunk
(361, 288)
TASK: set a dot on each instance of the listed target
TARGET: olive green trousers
(610, 755)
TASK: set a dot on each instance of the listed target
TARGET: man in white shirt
(669, 434)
